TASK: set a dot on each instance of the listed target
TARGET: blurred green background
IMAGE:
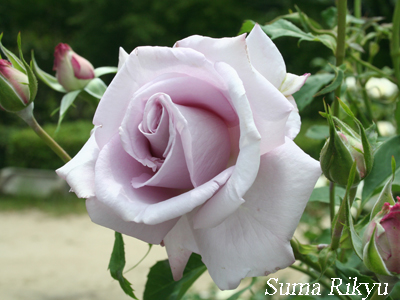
(96, 29)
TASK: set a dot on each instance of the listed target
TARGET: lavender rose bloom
(192, 148)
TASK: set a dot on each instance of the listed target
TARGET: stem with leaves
(27, 115)
(341, 45)
(324, 283)
(395, 54)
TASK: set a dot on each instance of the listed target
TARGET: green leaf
(328, 40)
(236, 295)
(313, 84)
(372, 259)
(349, 275)
(337, 81)
(104, 70)
(285, 28)
(330, 16)
(15, 61)
(161, 286)
(318, 132)
(96, 88)
(321, 194)
(381, 169)
(326, 259)
(66, 102)
(117, 264)
(247, 26)
(48, 79)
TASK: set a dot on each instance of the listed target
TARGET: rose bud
(14, 88)
(73, 71)
(382, 241)
(342, 148)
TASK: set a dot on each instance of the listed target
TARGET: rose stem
(395, 54)
(27, 115)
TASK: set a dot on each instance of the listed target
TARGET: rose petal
(188, 142)
(205, 139)
(150, 205)
(265, 56)
(292, 83)
(123, 56)
(255, 240)
(269, 107)
(180, 243)
(293, 124)
(145, 67)
(113, 174)
(79, 172)
(104, 216)
(229, 198)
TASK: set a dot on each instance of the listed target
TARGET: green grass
(55, 205)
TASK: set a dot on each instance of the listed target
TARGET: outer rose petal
(255, 240)
(265, 56)
(294, 123)
(180, 244)
(292, 83)
(104, 216)
(79, 172)
(123, 56)
(269, 107)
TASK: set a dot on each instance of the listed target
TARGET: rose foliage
(193, 148)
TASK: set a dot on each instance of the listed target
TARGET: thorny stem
(27, 115)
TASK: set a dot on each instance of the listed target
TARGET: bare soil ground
(43, 257)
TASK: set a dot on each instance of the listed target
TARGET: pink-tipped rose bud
(14, 91)
(386, 225)
(73, 71)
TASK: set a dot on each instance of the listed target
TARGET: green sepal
(367, 149)
(372, 259)
(105, 70)
(386, 193)
(96, 88)
(9, 99)
(66, 103)
(33, 84)
(117, 264)
(356, 241)
(15, 61)
(48, 79)
(340, 218)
